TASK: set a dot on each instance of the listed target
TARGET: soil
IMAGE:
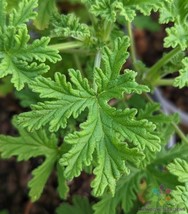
(14, 176)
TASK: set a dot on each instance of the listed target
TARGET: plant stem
(132, 47)
(96, 65)
(163, 82)
(165, 59)
(180, 133)
(177, 129)
(66, 45)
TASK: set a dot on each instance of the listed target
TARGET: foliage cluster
(87, 110)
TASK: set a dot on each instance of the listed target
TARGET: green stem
(165, 59)
(180, 133)
(177, 129)
(96, 65)
(132, 47)
(163, 82)
(66, 45)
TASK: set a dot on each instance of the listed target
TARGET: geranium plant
(88, 110)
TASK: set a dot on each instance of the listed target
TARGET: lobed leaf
(29, 145)
(111, 135)
(182, 80)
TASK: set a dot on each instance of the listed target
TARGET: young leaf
(182, 80)
(113, 134)
(111, 9)
(69, 26)
(176, 11)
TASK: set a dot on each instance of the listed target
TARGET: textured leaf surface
(182, 80)
(127, 188)
(23, 13)
(111, 9)
(113, 135)
(176, 11)
(69, 26)
(180, 169)
(180, 200)
(17, 51)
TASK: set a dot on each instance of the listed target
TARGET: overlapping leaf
(127, 188)
(182, 80)
(16, 51)
(180, 169)
(176, 11)
(70, 26)
(45, 10)
(108, 132)
(111, 9)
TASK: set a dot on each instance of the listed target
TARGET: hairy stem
(163, 82)
(165, 59)
(97, 64)
(132, 47)
(180, 133)
(66, 45)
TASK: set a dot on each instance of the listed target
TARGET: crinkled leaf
(182, 80)
(180, 169)
(17, 51)
(69, 26)
(113, 135)
(176, 11)
(111, 9)
(180, 198)
(127, 188)
(23, 13)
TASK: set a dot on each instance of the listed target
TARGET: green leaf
(113, 135)
(29, 145)
(3, 5)
(182, 80)
(17, 51)
(180, 201)
(23, 13)
(110, 10)
(180, 169)
(63, 94)
(45, 10)
(126, 194)
(63, 188)
(69, 26)
(40, 177)
(80, 205)
(177, 36)
(176, 11)
(17, 54)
